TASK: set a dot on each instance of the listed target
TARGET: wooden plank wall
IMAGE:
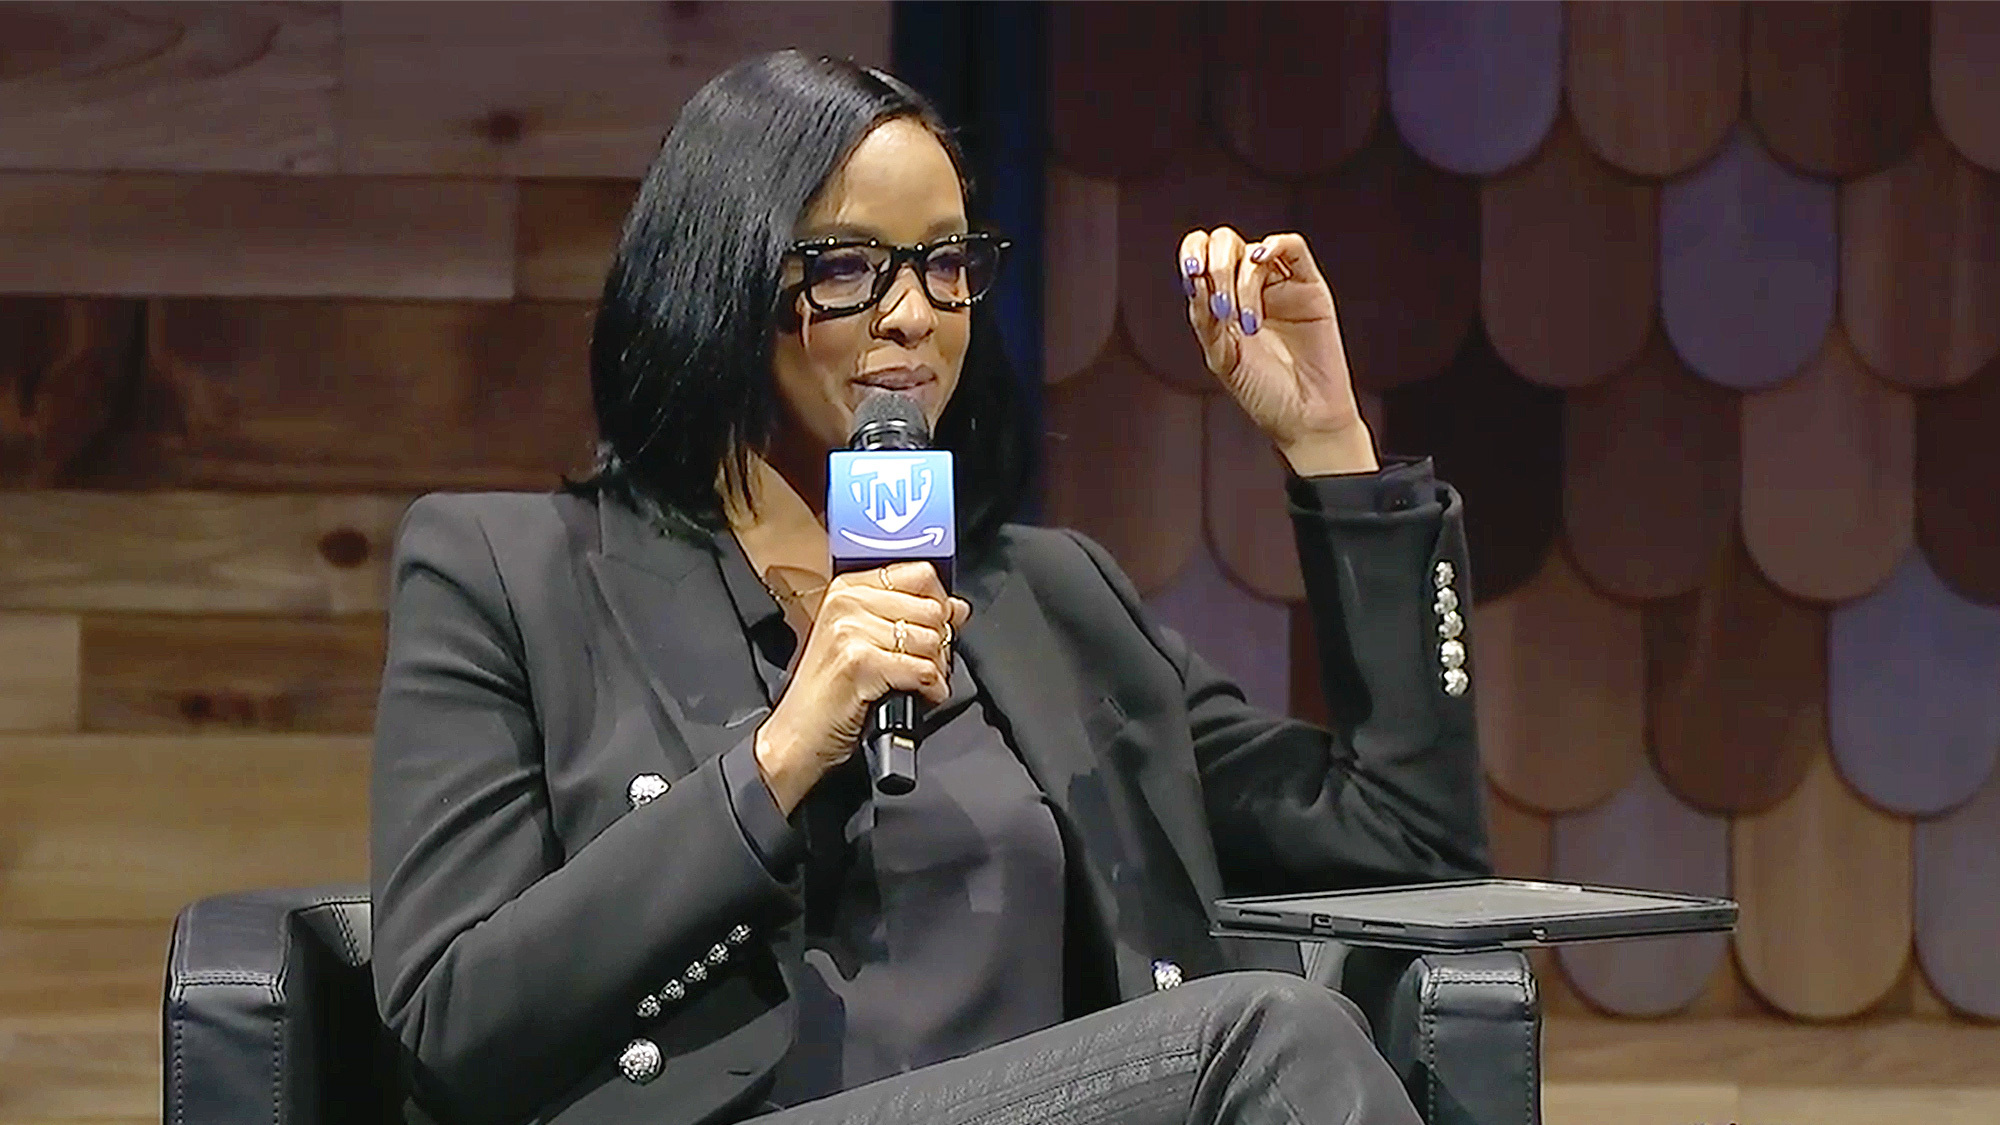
(267, 271)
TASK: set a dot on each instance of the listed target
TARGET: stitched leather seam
(1427, 1020)
(277, 1053)
(224, 976)
(180, 1075)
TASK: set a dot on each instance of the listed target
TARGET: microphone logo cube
(891, 504)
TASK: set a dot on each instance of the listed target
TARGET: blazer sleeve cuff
(777, 844)
(1401, 484)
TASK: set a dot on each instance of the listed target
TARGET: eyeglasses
(846, 275)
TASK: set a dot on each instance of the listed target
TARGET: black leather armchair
(269, 1017)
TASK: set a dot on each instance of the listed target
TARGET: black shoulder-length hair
(680, 356)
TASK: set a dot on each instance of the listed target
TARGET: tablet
(1474, 914)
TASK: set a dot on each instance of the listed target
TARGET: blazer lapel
(673, 612)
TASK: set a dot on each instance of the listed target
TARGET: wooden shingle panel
(1965, 55)
(1080, 285)
(1650, 477)
(1569, 264)
(1474, 87)
(1124, 86)
(1398, 241)
(1124, 466)
(1244, 636)
(68, 367)
(1736, 689)
(1243, 504)
(1920, 267)
(1644, 837)
(1957, 506)
(1829, 491)
(1654, 86)
(1957, 913)
(1294, 89)
(40, 672)
(1562, 691)
(1839, 89)
(1749, 261)
(1824, 885)
(1913, 692)
(565, 235)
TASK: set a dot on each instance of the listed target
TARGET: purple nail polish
(1259, 252)
(1191, 266)
(1219, 305)
(1248, 320)
(1187, 285)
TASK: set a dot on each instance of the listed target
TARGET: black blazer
(538, 646)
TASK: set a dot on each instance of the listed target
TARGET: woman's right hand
(850, 661)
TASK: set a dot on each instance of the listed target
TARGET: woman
(626, 867)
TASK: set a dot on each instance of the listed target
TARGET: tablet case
(1474, 914)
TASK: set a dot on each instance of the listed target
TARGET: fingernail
(1259, 252)
(1191, 266)
(1249, 321)
(1219, 305)
(1187, 285)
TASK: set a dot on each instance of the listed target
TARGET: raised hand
(1265, 320)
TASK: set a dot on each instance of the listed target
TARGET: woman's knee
(1268, 997)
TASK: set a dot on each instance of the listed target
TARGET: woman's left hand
(1267, 327)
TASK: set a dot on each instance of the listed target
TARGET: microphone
(889, 499)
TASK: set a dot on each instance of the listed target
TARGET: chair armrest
(1463, 1030)
(268, 1011)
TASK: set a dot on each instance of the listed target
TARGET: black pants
(1246, 1047)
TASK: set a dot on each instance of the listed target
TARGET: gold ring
(947, 634)
(902, 633)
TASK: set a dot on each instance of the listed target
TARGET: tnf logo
(886, 496)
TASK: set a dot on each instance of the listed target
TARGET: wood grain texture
(1957, 914)
(195, 552)
(1080, 285)
(100, 1068)
(1246, 637)
(1562, 691)
(1517, 837)
(1569, 264)
(1124, 466)
(1749, 261)
(40, 672)
(1398, 242)
(1654, 86)
(1498, 439)
(177, 674)
(1920, 267)
(1124, 87)
(67, 367)
(1829, 493)
(1643, 837)
(1204, 189)
(1736, 689)
(565, 235)
(1957, 461)
(183, 818)
(60, 968)
(1651, 477)
(1965, 54)
(326, 395)
(168, 87)
(1294, 89)
(1244, 509)
(1838, 89)
(581, 89)
(251, 236)
(1912, 707)
(1823, 882)
(1474, 87)
(1767, 1053)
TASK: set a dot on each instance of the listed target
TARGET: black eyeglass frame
(898, 257)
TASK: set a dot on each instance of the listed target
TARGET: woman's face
(899, 187)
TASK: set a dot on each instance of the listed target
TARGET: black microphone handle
(889, 742)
